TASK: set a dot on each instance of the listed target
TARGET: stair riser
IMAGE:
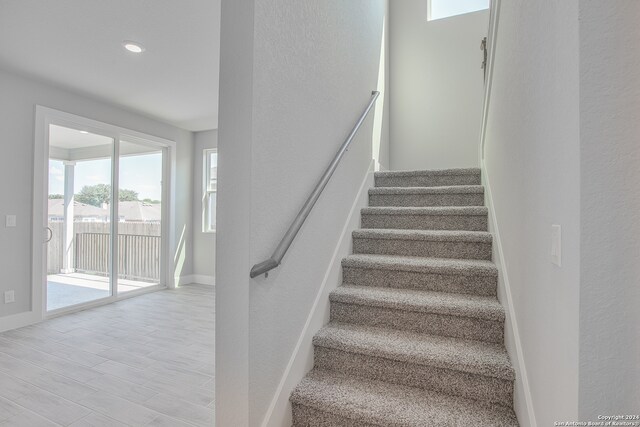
(477, 285)
(426, 200)
(473, 386)
(427, 323)
(426, 222)
(304, 416)
(422, 248)
(427, 180)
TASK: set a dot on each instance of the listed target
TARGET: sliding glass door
(78, 217)
(104, 216)
(139, 216)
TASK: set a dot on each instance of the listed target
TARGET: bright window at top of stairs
(438, 9)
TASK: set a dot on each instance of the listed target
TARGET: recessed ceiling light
(84, 132)
(133, 46)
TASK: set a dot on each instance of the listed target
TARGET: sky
(142, 173)
(446, 8)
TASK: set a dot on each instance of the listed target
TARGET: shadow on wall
(380, 143)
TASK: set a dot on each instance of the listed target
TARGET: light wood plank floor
(145, 361)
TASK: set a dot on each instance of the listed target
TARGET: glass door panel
(139, 216)
(79, 217)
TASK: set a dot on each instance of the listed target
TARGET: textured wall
(436, 87)
(610, 206)
(316, 64)
(532, 161)
(204, 244)
(295, 76)
(17, 121)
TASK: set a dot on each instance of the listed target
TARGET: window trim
(206, 192)
(431, 18)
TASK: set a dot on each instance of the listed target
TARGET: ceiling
(70, 139)
(77, 44)
(76, 145)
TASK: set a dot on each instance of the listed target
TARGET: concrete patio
(64, 290)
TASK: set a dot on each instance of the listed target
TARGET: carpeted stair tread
(452, 244)
(428, 235)
(463, 305)
(430, 210)
(430, 172)
(416, 332)
(474, 357)
(418, 194)
(426, 217)
(388, 405)
(447, 189)
(443, 266)
(428, 178)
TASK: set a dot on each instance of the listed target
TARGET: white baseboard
(524, 410)
(201, 279)
(279, 412)
(187, 279)
(198, 279)
(20, 320)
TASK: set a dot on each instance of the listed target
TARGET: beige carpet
(416, 336)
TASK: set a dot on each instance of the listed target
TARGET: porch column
(67, 228)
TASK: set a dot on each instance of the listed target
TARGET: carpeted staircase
(416, 331)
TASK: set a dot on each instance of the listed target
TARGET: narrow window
(210, 187)
(438, 9)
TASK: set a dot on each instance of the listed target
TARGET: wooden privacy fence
(139, 249)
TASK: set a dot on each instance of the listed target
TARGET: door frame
(44, 118)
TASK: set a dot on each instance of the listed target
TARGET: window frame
(431, 18)
(206, 191)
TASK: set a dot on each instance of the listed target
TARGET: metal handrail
(276, 258)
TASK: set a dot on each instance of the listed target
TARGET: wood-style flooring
(145, 361)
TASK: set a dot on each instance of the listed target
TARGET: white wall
(610, 206)
(532, 165)
(313, 65)
(382, 114)
(17, 121)
(316, 64)
(233, 237)
(204, 244)
(436, 87)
